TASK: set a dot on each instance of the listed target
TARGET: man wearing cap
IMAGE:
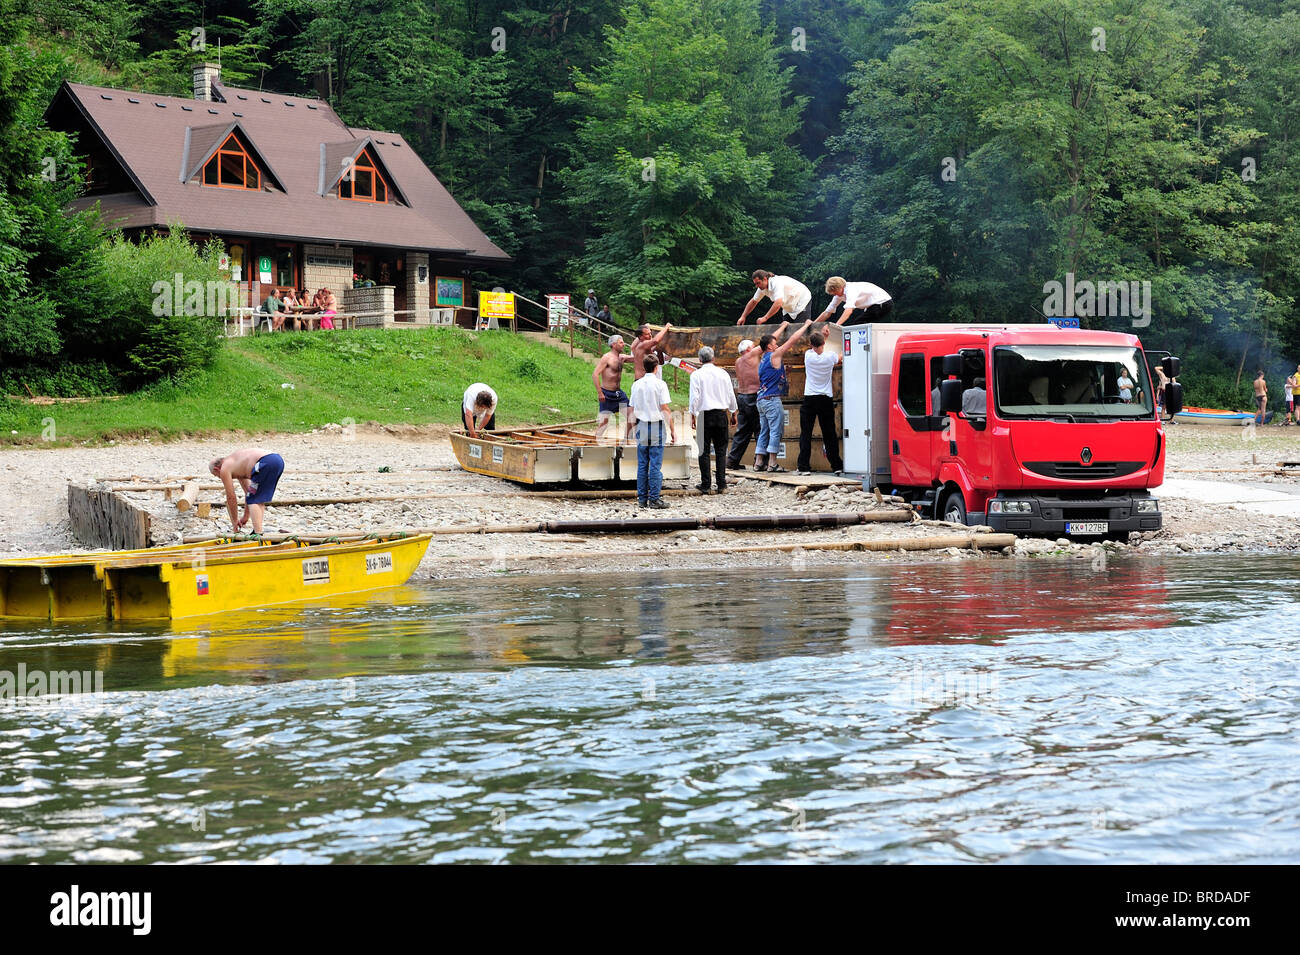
(713, 402)
(591, 306)
(608, 378)
(788, 295)
(873, 301)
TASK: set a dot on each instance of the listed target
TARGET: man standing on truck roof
(1261, 397)
(257, 472)
(608, 379)
(874, 302)
(788, 295)
(818, 404)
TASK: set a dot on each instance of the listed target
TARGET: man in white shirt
(713, 402)
(975, 401)
(873, 301)
(478, 409)
(788, 295)
(650, 404)
(818, 404)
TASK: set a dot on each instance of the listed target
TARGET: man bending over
(258, 472)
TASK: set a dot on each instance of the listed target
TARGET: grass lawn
(387, 377)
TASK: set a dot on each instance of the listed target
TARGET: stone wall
(364, 302)
(324, 266)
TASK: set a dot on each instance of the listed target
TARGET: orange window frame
(251, 171)
(364, 165)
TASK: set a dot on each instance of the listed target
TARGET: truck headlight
(995, 507)
(1147, 506)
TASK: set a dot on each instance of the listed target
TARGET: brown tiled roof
(148, 134)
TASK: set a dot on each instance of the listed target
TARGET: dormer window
(231, 167)
(363, 181)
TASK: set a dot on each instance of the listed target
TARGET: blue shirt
(769, 378)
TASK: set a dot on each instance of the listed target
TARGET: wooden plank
(105, 519)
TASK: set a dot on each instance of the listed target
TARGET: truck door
(909, 423)
(973, 435)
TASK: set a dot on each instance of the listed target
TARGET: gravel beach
(332, 463)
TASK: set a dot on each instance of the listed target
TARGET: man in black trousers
(713, 402)
(818, 404)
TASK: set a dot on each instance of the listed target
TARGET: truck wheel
(954, 508)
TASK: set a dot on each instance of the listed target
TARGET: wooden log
(204, 508)
(188, 494)
(938, 542)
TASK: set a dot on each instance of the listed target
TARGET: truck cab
(1063, 439)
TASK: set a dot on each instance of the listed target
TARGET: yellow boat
(198, 579)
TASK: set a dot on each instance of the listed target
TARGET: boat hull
(558, 455)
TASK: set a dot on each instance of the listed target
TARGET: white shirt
(711, 390)
(817, 372)
(794, 294)
(974, 401)
(472, 392)
(648, 396)
(859, 295)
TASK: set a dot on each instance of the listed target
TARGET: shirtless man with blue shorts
(258, 472)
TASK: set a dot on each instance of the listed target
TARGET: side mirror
(1173, 395)
(950, 392)
(1171, 366)
(952, 367)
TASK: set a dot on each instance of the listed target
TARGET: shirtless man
(257, 472)
(645, 344)
(1261, 397)
(608, 379)
(747, 399)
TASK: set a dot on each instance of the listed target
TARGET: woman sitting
(290, 306)
(327, 305)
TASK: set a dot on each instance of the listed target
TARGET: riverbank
(424, 487)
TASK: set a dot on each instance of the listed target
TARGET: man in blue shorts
(258, 472)
(608, 379)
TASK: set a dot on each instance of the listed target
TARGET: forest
(964, 155)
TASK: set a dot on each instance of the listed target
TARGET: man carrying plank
(258, 472)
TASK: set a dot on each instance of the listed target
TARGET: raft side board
(596, 462)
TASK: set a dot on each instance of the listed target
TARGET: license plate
(1087, 527)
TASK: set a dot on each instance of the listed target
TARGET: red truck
(1062, 439)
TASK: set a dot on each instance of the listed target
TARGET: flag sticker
(379, 563)
(201, 584)
(316, 570)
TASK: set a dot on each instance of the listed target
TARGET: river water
(981, 711)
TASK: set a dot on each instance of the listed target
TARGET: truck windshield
(1106, 381)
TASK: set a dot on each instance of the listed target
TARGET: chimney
(206, 75)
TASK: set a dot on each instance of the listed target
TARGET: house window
(363, 181)
(232, 167)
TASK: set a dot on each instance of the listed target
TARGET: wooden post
(186, 500)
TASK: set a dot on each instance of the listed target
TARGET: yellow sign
(496, 305)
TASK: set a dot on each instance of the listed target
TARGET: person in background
(1289, 391)
(274, 307)
(328, 306)
(1261, 397)
(290, 302)
(747, 357)
(591, 306)
(1125, 385)
(650, 404)
(478, 409)
(604, 314)
(874, 301)
(788, 295)
(772, 387)
(818, 404)
(257, 472)
(974, 400)
(608, 379)
(712, 402)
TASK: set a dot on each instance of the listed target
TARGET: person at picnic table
(291, 306)
(327, 306)
(274, 307)
(478, 409)
(257, 472)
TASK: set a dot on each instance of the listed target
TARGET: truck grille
(1074, 471)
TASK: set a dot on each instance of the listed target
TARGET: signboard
(494, 306)
(333, 261)
(449, 293)
(223, 263)
(557, 311)
(1065, 322)
(264, 269)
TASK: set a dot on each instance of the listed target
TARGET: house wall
(417, 292)
(328, 267)
(373, 306)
